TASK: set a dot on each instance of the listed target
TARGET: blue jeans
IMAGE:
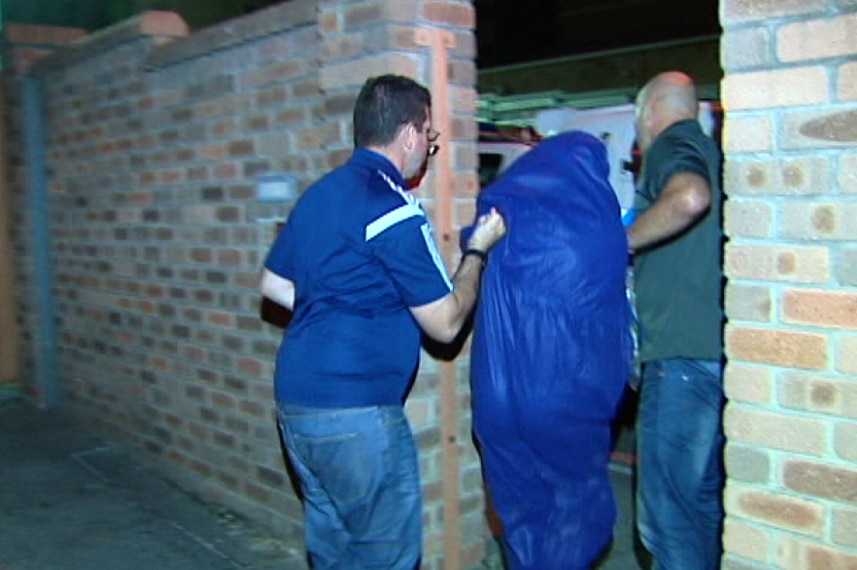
(680, 474)
(360, 479)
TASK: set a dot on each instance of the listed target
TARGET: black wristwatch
(483, 257)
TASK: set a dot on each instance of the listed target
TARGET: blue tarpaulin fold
(551, 353)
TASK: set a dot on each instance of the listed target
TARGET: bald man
(676, 241)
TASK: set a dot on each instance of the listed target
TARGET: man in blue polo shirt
(358, 265)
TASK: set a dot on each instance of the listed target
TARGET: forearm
(683, 201)
(657, 224)
(465, 290)
(443, 319)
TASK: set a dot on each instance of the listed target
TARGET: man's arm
(443, 319)
(684, 199)
(278, 289)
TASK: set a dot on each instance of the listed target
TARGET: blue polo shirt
(360, 251)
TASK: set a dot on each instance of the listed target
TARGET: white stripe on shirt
(392, 218)
(410, 209)
(435, 254)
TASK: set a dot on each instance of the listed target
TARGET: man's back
(357, 252)
(678, 283)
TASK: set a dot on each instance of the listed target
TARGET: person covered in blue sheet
(551, 353)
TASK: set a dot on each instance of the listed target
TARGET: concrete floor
(69, 500)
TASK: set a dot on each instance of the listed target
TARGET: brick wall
(155, 139)
(791, 299)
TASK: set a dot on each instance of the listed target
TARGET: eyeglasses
(431, 135)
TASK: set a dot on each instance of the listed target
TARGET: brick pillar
(790, 96)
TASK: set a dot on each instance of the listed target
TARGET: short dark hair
(385, 103)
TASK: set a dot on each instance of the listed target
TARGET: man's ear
(652, 115)
(407, 136)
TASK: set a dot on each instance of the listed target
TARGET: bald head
(667, 98)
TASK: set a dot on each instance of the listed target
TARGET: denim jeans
(360, 479)
(680, 474)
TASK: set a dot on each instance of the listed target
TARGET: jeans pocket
(340, 463)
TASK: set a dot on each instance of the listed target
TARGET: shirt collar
(376, 161)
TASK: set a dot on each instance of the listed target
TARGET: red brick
(226, 171)
(825, 558)
(330, 21)
(748, 134)
(799, 176)
(201, 255)
(777, 347)
(749, 464)
(776, 509)
(454, 14)
(776, 88)
(751, 10)
(848, 174)
(847, 81)
(746, 540)
(748, 383)
(783, 431)
(402, 11)
(363, 15)
(823, 308)
(832, 220)
(747, 48)
(229, 257)
(317, 138)
(796, 264)
(162, 23)
(846, 354)
(796, 554)
(825, 128)
(817, 39)
(403, 37)
(241, 148)
(748, 218)
(465, 211)
(844, 530)
(222, 400)
(748, 302)
(46, 35)
(222, 319)
(845, 441)
(820, 480)
(820, 394)
(213, 151)
(343, 47)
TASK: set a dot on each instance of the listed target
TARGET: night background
(508, 32)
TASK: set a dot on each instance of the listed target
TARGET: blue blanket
(551, 353)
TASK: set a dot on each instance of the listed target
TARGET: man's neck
(390, 154)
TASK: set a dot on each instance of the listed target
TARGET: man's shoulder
(684, 139)
(682, 131)
(343, 183)
(356, 192)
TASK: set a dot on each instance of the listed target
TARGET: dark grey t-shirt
(678, 284)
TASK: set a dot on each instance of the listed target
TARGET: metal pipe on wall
(46, 347)
(439, 41)
(9, 361)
